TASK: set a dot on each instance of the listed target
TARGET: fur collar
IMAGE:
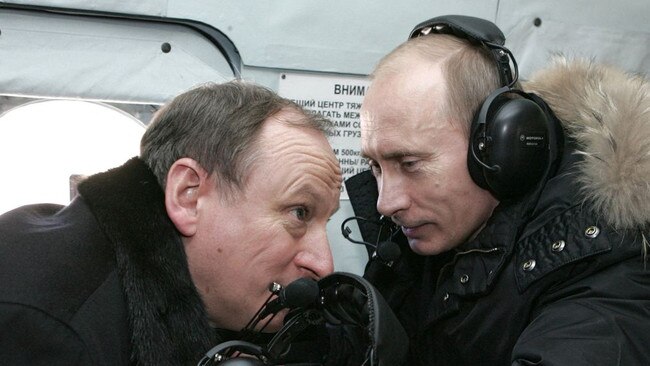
(607, 112)
(168, 321)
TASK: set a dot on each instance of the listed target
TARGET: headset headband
(477, 31)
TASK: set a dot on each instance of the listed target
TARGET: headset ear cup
(514, 133)
(519, 135)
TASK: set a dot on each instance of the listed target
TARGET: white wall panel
(94, 59)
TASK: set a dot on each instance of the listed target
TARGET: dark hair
(217, 125)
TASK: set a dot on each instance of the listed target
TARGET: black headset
(343, 299)
(513, 141)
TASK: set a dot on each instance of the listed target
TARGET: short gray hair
(218, 126)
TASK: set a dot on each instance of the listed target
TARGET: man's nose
(393, 195)
(317, 255)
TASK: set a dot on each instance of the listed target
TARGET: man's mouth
(412, 231)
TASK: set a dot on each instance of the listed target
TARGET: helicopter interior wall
(68, 56)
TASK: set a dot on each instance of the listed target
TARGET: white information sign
(337, 98)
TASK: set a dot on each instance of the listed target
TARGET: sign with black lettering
(337, 98)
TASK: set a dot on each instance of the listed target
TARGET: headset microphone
(299, 293)
(346, 306)
(386, 251)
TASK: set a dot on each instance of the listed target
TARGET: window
(46, 146)
(79, 86)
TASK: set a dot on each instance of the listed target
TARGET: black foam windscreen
(388, 251)
(299, 293)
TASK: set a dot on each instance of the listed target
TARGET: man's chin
(424, 247)
(416, 247)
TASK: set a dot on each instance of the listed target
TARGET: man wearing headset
(524, 217)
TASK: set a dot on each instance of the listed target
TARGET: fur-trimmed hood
(607, 113)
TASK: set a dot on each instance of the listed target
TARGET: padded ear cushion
(516, 149)
(477, 137)
(477, 140)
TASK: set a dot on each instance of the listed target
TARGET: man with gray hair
(232, 191)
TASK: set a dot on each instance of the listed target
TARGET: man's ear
(186, 182)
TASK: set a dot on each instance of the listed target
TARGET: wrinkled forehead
(298, 161)
(281, 141)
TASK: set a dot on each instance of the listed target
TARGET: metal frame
(214, 35)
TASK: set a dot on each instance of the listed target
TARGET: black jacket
(102, 281)
(558, 277)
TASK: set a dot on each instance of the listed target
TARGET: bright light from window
(43, 144)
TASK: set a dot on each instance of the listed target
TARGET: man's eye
(301, 213)
(410, 164)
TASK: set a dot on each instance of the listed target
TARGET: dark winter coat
(556, 278)
(102, 281)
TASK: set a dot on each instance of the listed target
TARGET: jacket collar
(606, 112)
(168, 320)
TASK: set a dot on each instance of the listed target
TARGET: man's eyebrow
(395, 155)
(302, 189)
(309, 191)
